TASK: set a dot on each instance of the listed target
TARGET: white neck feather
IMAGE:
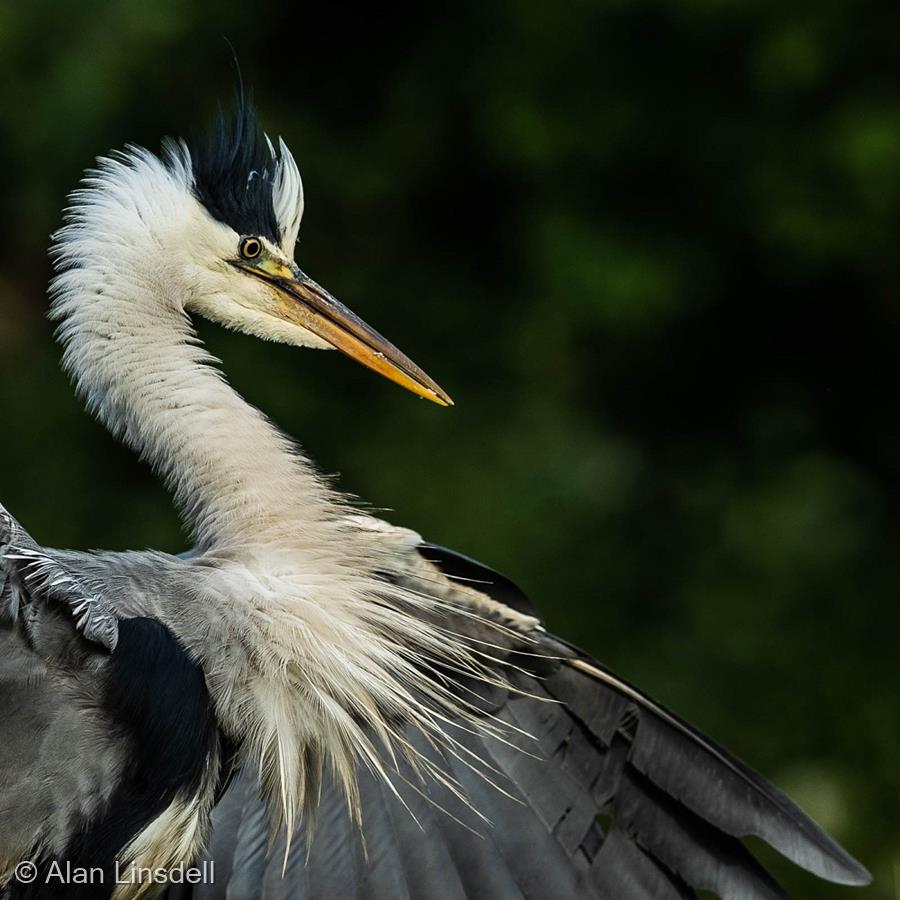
(231, 472)
(120, 299)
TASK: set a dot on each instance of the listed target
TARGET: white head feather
(287, 191)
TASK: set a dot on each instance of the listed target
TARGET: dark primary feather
(597, 793)
(468, 571)
(233, 173)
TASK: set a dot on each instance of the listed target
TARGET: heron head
(238, 245)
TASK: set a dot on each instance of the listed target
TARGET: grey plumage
(599, 797)
(59, 752)
(97, 745)
(396, 713)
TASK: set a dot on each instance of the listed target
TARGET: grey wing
(41, 730)
(596, 792)
(54, 758)
(81, 771)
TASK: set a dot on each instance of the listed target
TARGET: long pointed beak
(305, 303)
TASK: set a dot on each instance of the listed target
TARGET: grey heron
(322, 703)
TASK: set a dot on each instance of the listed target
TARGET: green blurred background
(650, 249)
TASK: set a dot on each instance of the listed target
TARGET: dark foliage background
(649, 247)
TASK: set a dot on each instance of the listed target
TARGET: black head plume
(233, 173)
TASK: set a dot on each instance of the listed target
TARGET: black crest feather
(233, 173)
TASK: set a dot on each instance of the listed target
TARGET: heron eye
(250, 248)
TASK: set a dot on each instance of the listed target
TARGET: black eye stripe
(251, 247)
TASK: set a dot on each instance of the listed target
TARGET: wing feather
(100, 752)
(598, 793)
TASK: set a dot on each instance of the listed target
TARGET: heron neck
(233, 475)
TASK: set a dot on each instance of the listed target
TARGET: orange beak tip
(441, 399)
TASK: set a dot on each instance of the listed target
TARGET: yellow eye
(251, 247)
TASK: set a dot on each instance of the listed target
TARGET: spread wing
(593, 791)
(92, 744)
